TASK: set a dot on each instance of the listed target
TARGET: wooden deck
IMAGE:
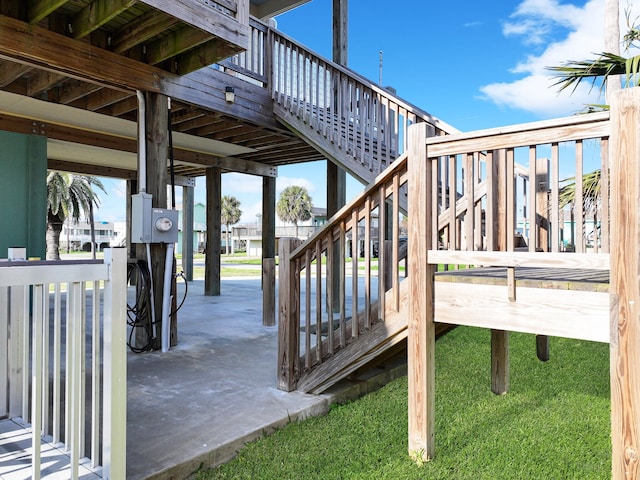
(544, 301)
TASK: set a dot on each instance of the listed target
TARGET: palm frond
(572, 73)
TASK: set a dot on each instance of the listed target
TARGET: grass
(554, 422)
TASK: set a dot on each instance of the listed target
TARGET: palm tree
(230, 214)
(68, 196)
(609, 64)
(294, 205)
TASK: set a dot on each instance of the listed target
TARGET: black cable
(139, 314)
(186, 289)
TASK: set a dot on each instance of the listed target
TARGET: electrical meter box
(152, 225)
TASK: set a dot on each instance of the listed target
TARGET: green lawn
(554, 423)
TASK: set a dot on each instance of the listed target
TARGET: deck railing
(363, 119)
(319, 317)
(497, 203)
(478, 170)
(251, 65)
(68, 390)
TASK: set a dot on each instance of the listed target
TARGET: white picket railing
(64, 358)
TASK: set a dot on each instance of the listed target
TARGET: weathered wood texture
(268, 251)
(625, 285)
(353, 121)
(342, 322)
(421, 336)
(214, 232)
(187, 232)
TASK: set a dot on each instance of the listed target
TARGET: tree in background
(230, 214)
(69, 196)
(294, 205)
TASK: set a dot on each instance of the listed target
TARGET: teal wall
(23, 183)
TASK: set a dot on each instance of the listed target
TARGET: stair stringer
(331, 149)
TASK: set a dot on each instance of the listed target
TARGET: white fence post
(115, 366)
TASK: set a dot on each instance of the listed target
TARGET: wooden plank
(367, 262)
(307, 313)
(206, 18)
(578, 205)
(36, 46)
(40, 9)
(532, 212)
(555, 202)
(355, 246)
(605, 186)
(96, 14)
(522, 259)
(421, 325)
(395, 277)
(625, 285)
(594, 125)
(318, 255)
(510, 207)
(581, 315)
(452, 193)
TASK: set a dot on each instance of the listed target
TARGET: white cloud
(536, 21)
(241, 183)
(284, 182)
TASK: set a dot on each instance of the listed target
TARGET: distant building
(77, 236)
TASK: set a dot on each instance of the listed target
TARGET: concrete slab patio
(204, 399)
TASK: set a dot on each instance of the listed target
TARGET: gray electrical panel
(152, 225)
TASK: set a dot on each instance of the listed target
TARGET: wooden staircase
(355, 123)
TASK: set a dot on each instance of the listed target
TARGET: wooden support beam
(96, 14)
(86, 169)
(41, 82)
(39, 47)
(140, 30)
(421, 326)
(214, 232)
(625, 284)
(39, 9)
(12, 71)
(176, 42)
(268, 251)
(187, 231)
(207, 53)
(157, 144)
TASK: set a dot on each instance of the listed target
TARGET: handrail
(367, 228)
(422, 114)
(354, 122)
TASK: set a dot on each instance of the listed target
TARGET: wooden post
(268, 251)
(625, 285)
(187, 232)
(336, 176)
(542, 226)
(289, 317)
(157, 144)
(500, 338)
(214, 232)
(421, 326)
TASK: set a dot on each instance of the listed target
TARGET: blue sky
(474, 65)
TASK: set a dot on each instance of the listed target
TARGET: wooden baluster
(319, 304)
(355, 246)
(367, 262)
(604, 199)
(555, 202)
(579, 200)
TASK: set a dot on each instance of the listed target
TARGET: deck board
(15, 456)
(555, 278)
